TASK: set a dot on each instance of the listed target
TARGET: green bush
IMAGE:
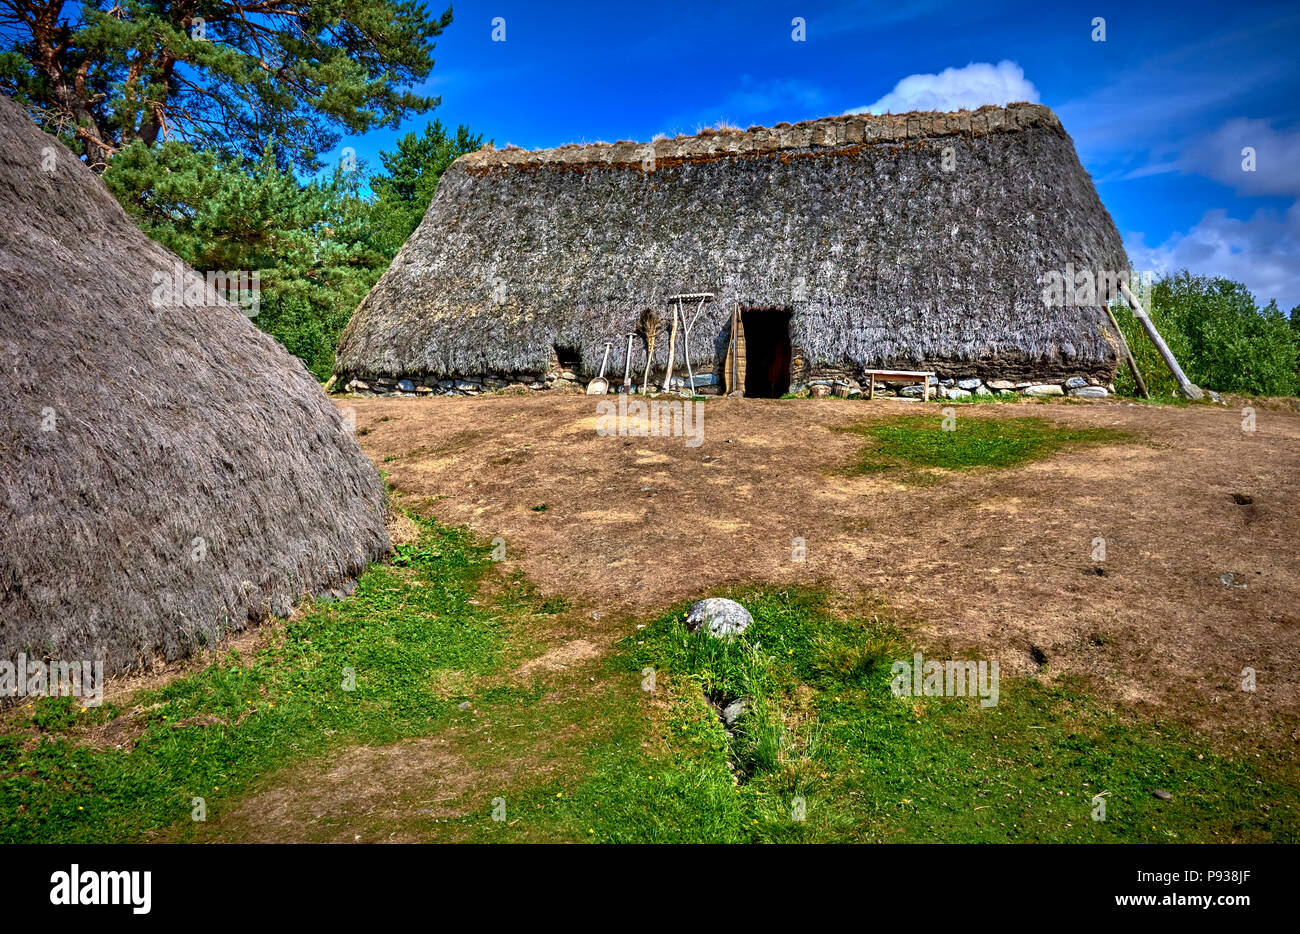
(317, 246)
(1222, 339)
(312, 245)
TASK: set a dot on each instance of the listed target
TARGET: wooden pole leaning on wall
(1128, 355)
(1185, 385)
(672, 349)
(733, 351)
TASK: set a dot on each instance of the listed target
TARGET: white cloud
(977, 84)
(1262, 251)
(1219, 156)
(1156, 102)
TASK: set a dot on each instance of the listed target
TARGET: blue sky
(1160, 111)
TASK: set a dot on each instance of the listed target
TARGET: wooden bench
(899, 376)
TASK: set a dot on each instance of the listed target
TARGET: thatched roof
(129, 431)
(851, 221)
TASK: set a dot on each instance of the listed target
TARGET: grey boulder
(720, 616)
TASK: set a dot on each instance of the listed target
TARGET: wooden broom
(648, 328)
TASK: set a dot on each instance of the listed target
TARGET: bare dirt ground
(996, 562)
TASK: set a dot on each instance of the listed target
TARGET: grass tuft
(922, 442)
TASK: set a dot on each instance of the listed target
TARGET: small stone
(1214, 397)
(1001, 384)
(405, 385)
(1090, 392)
(1162, 794)
(463, 705)
(1075, 382)
(983, 391)
(732, 713)
(967, 383)
(913, 390)
(954, 393)
(720, 616)
(358, 385)
(1043, 389)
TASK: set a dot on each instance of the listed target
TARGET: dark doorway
(569, 358)
(767, 353)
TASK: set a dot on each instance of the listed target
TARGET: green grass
(209, 733)
(588, 754)
(920, 442)
(870, 766)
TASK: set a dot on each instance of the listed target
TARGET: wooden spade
(627, 368)
(599, 386)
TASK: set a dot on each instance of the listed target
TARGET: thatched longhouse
(167, 471)
(914, 241)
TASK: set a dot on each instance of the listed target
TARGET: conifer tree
(225, 75)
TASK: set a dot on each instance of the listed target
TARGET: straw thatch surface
(168, 424)
(851, 222)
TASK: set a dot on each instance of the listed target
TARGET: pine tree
(313, 246)
(226, 75)
(403, 193)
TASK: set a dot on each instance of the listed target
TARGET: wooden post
(735, 367)
(1128, 354)
(871, 388)
(672, 349)
(686, 346)
(736, 352)
(686, 341)
(1189, 389)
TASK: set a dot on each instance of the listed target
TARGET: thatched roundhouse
(915, 241)
(167, 471)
